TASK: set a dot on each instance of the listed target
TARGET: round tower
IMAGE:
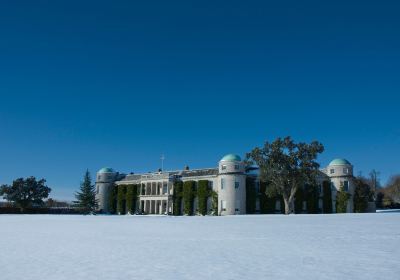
(340, 171)
(231, 186)
(104, 182)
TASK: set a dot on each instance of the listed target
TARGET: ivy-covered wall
(312, 193)
(177, 198)
(112, 200)
(131, 198)
(188, 194)
(214, 197)
(121, 200)
(203, 193)
(327, 198)
(251, 195)
(342, 198)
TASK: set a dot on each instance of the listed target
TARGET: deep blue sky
(88, 84)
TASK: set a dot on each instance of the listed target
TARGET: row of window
(237, 184)
(224, 167)
(237, 205)
(345, 171)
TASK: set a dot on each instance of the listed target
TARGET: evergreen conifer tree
(86, 197)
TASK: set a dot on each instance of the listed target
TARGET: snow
(347, 246)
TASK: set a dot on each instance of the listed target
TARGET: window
(237, 167)
(257, 186)
(237, 184)
(346, 186)
(165, 188)
(210, 184)
(237, 206)
(222, 183)
(98, 178)
(223, 167)
(345, 170)
(332, 171)
(97, 189)
(223, 205)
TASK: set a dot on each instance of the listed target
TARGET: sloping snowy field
(350, 246)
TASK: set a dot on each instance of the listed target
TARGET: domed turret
(340, 167)
(340, 161)
(106, 170)
(231, 157)
(231, 163)
(340, 172)
(232, 186)
(104, 182)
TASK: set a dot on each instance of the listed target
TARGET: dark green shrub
(327, 197)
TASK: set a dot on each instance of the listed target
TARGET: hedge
(40, 210)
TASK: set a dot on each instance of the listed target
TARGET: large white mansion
(228, 181)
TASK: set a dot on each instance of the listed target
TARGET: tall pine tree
(86, 197)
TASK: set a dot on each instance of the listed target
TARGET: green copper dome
(340, 161)
(106, 170)
(231, 157)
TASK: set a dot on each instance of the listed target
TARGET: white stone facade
(156, 190)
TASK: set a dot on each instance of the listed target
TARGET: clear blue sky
(88, 84)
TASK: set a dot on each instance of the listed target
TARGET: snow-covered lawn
(350, 246)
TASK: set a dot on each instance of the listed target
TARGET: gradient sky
(88, 84)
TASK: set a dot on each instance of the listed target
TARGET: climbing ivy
(214, 197)
(112, 199)
(202, 196)
(327, 197)
(188, 195)
(251, 195)
(131, 198)
(312, 199)
(177, 197)
(341, 201)
(121, 200)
